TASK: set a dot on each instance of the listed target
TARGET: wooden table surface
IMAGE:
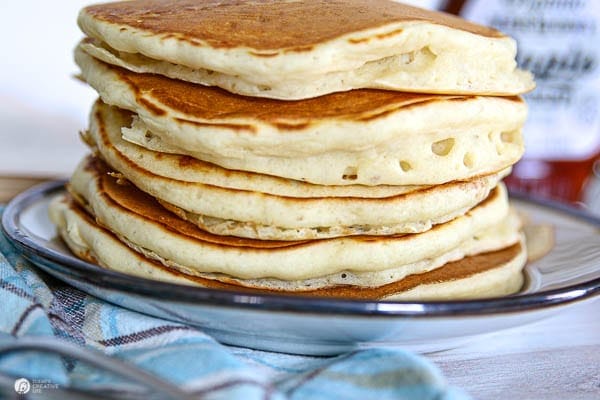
(553, 359)
(557, 358)
(10, 186)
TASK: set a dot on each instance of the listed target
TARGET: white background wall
(41, 106)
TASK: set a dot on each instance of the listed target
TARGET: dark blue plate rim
(103, 278)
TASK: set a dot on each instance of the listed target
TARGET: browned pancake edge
(269, 26)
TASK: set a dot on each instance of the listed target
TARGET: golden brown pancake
(300, 25)
(148, 228)
(276, 208)
(316, 102)
(214, 106)
(301, 49)
(366, 137)
(97, 245)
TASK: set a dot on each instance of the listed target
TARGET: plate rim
(114, 280)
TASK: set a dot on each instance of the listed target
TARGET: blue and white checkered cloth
(37, 307)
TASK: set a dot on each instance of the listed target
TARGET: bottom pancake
(490, 274)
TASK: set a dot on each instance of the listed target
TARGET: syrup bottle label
(559, 41)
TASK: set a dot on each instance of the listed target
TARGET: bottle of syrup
(559, 41)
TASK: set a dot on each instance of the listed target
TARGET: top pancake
(300, 24)
(301, 49)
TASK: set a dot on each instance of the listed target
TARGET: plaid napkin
(39, 311)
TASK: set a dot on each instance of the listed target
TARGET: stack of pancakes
(347, 148)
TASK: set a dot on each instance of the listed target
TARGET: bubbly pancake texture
(276, 208)
(489, 274)
(141, 222)
(292, 50)
(368, 137)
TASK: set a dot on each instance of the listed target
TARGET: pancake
(367, 137)
(256, 146)
(490, 274)
(303, 49)
(493, 238)
(137, 219)
(276, 208)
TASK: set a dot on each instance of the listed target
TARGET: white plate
(302, 325)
